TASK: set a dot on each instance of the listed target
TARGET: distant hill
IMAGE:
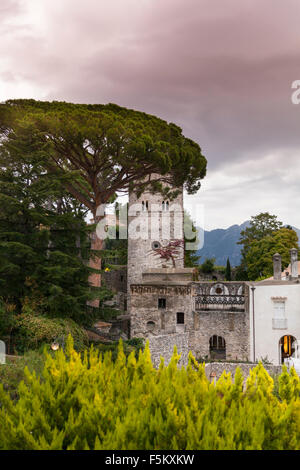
(222, 244)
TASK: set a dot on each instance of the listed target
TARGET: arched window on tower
(150, 326)
(165, 206)
(145, 206)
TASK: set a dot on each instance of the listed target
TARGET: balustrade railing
(208, 302)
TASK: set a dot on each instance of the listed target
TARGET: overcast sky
(220, 69)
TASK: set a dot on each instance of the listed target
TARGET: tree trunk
(95, 262)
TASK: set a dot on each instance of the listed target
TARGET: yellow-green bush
(92, 402)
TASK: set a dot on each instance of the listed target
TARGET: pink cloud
(221, 70)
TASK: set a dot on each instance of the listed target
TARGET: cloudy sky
(221, 69)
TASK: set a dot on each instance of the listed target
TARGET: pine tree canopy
(98, 150)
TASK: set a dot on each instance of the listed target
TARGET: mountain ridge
(221, 244)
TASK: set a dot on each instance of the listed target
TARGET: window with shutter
(279, 321)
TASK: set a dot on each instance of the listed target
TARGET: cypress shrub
(91, 402)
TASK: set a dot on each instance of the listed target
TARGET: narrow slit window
(165, 206)
(145, 206)
(162, 303)
(180, 318)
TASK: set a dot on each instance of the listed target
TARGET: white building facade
(274, 307)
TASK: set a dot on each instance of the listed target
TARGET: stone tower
(153, 221)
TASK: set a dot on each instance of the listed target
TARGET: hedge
(32, 331)
(91, 402)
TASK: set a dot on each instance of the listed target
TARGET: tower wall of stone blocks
(153, 221)
(154, 310)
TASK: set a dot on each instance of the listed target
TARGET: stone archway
(217, 347)
(287, 347)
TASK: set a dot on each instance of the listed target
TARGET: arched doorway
(217, 347)
(287, 347)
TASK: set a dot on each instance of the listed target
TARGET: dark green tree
(228, 271)
(101, 150)
(261, 225)
(208, 266)
(44, 243)
(241, 272)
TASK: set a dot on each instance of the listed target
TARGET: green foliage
(7, 320)
(95, 152)
(259, 257)
(98, 150)
(241, 273)
(32, 331)
(260, 241)
(92, 402)
(44, 241)
(228, 271)
(208, 266)
(261, 225)
(133, 344)
(116, 249)
(44, 244)
(13, 372)
(220, 269)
